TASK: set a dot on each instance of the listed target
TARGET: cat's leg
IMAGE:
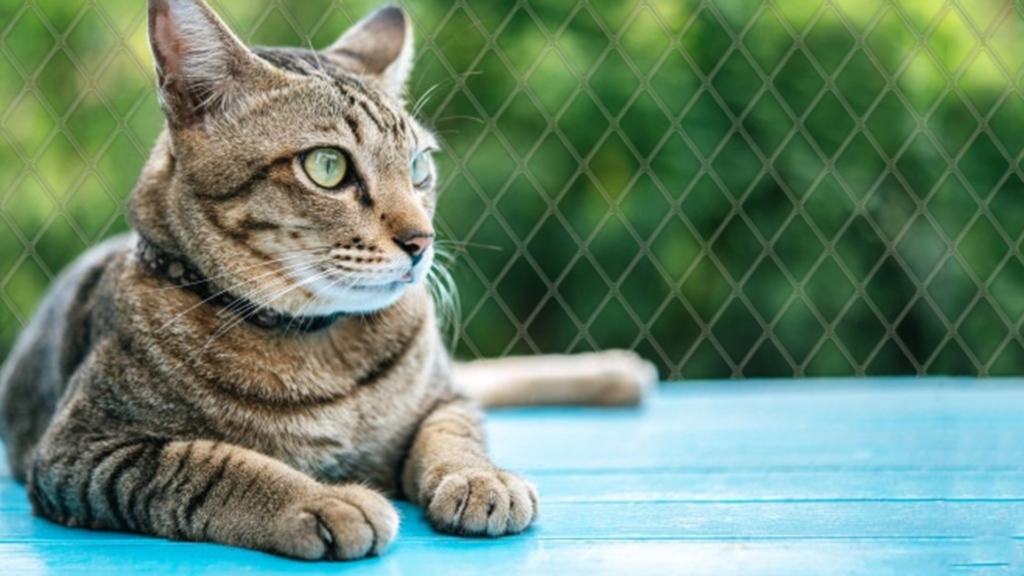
(207, 491)
(448, 473)
(608, 378)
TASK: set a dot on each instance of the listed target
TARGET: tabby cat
(258, 363)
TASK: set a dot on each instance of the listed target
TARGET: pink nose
(415, 244)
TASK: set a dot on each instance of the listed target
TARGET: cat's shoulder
(79, 284)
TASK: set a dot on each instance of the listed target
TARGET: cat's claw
(482, 502)
(343, 523)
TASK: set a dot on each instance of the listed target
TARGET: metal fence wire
(733, 188)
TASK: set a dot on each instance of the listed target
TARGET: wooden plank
(523, 556)
(670, 486)
(779, 486)
(795, 402)
(551, 448)
(766, 429)
(689, 521)
(772, 520)
(858, 477)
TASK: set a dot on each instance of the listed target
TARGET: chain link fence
(733, 188)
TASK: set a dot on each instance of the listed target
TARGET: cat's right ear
(379, 47)
(201, 66)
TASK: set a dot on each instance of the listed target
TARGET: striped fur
(131, 404)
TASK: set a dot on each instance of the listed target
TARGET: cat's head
(293, 178)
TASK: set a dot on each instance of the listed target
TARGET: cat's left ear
(380, 47)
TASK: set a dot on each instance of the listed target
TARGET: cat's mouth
(411, 276)
(342, 293)
(405, 280)
(348, 283)
(389, 287)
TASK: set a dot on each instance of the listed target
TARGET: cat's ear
(380, 46)
(201, 66)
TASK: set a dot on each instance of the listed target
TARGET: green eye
(421, 169)
(325, 166)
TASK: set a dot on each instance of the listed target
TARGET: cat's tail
(611, 378)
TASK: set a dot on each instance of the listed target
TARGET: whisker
(424, 99)
(212, 279)
(476, 119)
(317, 299)
(445, 294)
(344, 282)
(226, 290)
(300, 250)
(255, 296)
(443, 255)
(253, 308)
(462, 245)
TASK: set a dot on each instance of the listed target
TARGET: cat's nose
(415, 244)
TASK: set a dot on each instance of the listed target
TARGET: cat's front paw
(339, 523)
(482, 501)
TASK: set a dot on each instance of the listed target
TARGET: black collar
(180, 271)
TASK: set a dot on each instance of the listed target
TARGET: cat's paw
(339, 523)
(482, 501)
(620, 377)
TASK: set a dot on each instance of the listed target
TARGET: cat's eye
(326, 167)
(422, 169)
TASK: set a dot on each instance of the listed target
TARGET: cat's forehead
(343, 79)
(333, 89)
(301, 62)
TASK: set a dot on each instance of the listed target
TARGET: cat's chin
(360, 300)
(368, 299)
(363, 299)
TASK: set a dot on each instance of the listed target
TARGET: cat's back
(50, 349)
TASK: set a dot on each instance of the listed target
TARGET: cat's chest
(358, 444)
(360, 436)
(344, 417)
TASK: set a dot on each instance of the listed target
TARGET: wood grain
(875, 476)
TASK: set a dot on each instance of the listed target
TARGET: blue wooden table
(788, 477)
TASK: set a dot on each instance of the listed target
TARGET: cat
(259, 362)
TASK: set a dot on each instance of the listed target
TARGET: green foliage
(732, 188)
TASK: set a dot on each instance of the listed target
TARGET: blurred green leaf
(734, 188)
